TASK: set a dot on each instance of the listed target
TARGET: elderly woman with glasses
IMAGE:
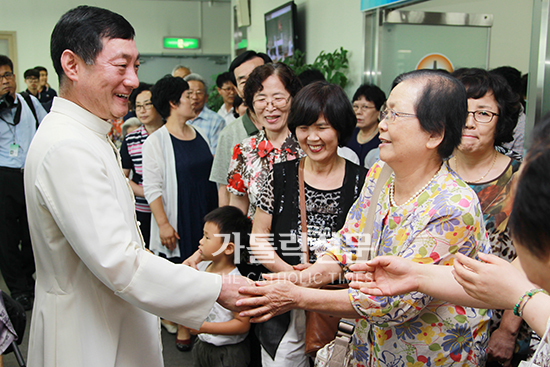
(424, 213)
(268, 91)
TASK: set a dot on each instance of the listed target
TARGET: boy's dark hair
(231, 220)
(29, 73)
(136, 92)
(82, 31)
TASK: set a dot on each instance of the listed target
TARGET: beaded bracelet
(518, 308)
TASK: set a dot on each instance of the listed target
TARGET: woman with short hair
(322, 119)
(176, 170)
(367, 101)
(493, 111)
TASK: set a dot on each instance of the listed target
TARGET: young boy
(222, 338)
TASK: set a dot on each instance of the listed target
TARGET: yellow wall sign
(435, 61)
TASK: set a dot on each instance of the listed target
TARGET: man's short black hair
(41, 68)
(4, 60)
(231, 220)
(441, 108)
(311, 76)
(31, 73)
(478, 83)
(244, 57)
(82, 31)
(327, 100)
(136, 92)
(222, 79)
(371, 93)
(166, 90)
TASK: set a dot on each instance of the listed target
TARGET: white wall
(511, 31)
(329, 25)
(34, 20)
(333, 23)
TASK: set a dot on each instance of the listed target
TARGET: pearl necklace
(416, 194)
(482, 177)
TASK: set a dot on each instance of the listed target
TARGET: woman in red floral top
(268, 91)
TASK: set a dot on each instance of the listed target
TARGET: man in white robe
(97, 288)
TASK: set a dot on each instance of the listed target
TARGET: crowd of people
(230, 225)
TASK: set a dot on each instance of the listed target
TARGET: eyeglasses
(145, 106)
(483, 116)
(262, 103)
(363, 108)
(387, 112)
(7, 75)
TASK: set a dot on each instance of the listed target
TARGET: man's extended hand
(229, 294)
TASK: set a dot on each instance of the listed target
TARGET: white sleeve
(92, 213)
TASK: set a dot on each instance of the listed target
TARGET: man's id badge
(14, 150)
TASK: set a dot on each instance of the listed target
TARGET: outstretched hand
(384, 276)
(229, 294)
(268, 299)
(492, 280)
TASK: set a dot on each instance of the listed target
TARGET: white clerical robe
(96, 287)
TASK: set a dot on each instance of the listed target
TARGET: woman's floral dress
(415, 329)
(252, 161)
(496, 199)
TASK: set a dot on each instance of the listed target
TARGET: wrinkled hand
(384, 276)
(268, 299)
(229, 294)
(168, 236)
(301, 267)
(501, 347)
(494, 281)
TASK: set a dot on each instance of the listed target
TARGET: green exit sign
(181, 43)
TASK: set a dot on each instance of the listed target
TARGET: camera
(6, 101)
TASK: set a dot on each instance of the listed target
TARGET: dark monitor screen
(280, 31)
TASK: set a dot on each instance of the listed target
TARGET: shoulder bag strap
(28, 99)
(303, 217)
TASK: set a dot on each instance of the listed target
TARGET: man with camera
(19, 118)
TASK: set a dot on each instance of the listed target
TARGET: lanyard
(16, 117)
